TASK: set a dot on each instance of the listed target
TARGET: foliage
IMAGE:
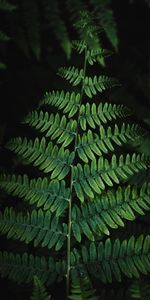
(140, 290)
(39, 291)
(82, 190)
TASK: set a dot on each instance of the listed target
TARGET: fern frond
(72, 74)
(91, 85)
(96, 55)
(92, 55)
(53, 195)
(80, 46)
(92, 179)
(109, 259)
(54, 125)
(96, 115)
(46, 157)
(90, 144)
(68, 102)
(22, 267)
(81, 287)
(109, 210)
(37, 226)
(89, 113)
(87, 29)
(98, 84)
(39, 291)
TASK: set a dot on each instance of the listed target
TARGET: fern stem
(71, 187)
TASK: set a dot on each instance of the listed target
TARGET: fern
(108, 259)
(53, 196)
(82, 288)
(109, 210)
(82, 190)
(39, 292)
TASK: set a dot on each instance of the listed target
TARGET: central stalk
(71, 185)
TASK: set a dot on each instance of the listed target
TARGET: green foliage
(23, 267)
(107, 260)
(109, 211)
(81, 185)
(81, 288)
(140, 290)
(38, 226)
(39, 291)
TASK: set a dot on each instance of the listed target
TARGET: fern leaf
(54, 125)
(89, 145)
(47, 158)
(93, 179)
(96, 55)
(53, 195)
(100, 84)
(91, 85)
(88, 30)
(39, 291)
(68, 102)
(80, 46)
(72, 74)
(96, 115)
(93, 55)
(108, 259)
(37, 226)
(22, 267)
(109, 210)
(81, 288)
